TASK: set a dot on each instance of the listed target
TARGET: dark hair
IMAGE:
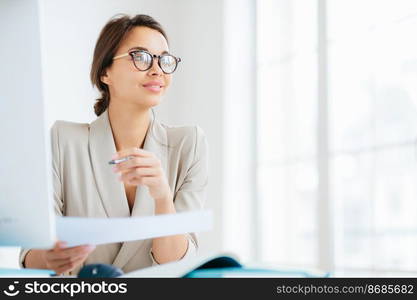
(108, 42)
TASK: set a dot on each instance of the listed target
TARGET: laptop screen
(26, 212)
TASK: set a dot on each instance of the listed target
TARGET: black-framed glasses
(143, 60)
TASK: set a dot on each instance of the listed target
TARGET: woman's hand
(61, 259)
(143, 169)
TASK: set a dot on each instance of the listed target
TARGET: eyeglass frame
(177, 59)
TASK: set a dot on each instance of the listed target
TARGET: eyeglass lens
(143, 61)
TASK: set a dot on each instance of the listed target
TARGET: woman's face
(131, 87)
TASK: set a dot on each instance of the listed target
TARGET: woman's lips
(153, 88)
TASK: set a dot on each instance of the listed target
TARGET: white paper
(94, 231)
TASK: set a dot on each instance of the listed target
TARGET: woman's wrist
(165, 198)
(164, 205)
(34, 259)
(25, 261)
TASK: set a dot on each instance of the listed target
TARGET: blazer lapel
(102, 148)
(156, 142)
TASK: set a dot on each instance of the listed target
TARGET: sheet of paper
(78, 231)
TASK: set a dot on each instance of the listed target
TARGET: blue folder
(225, 266)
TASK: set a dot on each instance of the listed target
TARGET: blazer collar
(111, 191)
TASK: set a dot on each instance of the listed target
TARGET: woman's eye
(168, 60)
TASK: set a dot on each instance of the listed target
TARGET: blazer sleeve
(191, 195)
(56, 181)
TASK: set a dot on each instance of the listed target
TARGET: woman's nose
(155, 69)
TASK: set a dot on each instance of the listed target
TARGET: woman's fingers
(148, 181)
(136, 162)
(62, 259)
(143, 176)
(63, 253)
(61, 270)
(139, 172)
(63, 263)
(68, 266)
(58, 245)
(131, 152)
(67, 258)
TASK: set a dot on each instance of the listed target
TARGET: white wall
(69, 32)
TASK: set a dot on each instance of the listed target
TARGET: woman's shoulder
(187, 139)
(66, 131)
(68, 126)
(190, 134)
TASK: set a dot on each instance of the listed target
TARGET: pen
(118, 161)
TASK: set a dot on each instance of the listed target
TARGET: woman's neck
(129, 126)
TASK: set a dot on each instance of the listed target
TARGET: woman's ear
(105, 78)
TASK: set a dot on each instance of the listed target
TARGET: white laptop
(26, 212)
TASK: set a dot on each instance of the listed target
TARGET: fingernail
(114, 169)
(91, 247)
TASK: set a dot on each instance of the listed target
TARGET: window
(287, 103)
(371, 91)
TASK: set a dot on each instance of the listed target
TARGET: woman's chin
(150, 101)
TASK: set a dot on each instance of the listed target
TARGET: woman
(167, 173)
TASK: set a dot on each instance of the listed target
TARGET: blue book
(229, 267)
(218, 266)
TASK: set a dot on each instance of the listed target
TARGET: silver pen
(118, 161)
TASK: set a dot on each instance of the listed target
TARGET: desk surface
(4, 272)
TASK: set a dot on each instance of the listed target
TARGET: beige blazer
(85, 185)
